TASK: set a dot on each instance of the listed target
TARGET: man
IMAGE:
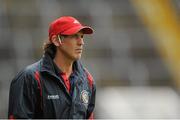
(57, 86)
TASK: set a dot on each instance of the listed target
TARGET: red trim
(91, 117)
(37, 77)
(11, 117)
(90, 78)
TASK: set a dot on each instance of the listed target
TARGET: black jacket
(37, 92)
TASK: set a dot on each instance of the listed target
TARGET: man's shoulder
(26, 76)
(29, 70)
(33, 67)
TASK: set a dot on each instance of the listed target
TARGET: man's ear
(56, 41)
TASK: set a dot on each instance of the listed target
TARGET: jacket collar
(48, 65)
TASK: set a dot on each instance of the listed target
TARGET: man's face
(72, 46)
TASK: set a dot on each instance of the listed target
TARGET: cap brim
(74, 30)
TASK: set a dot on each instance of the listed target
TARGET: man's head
(66, 34)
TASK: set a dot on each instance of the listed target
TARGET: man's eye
(82, 36)
(76, 36)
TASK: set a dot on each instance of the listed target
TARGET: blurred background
(134, 54)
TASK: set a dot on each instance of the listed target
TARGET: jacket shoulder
(28, 73)
(33, 67)
(89, 77)
(87, 73)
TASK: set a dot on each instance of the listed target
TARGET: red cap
(67, 25)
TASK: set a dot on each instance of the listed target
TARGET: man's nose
(80, 41)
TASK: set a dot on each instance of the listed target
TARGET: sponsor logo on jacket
(53, 97)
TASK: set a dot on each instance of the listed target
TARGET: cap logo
(75, 21)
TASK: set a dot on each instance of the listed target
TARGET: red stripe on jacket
(37, 77)
(90, 78)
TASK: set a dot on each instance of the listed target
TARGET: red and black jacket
(38, 92)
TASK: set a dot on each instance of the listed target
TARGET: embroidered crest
(84, 97)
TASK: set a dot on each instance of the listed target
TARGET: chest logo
(84, 97)
(53, 97)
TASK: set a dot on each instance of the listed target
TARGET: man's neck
(64, 64)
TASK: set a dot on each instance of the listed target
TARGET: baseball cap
(67, 25)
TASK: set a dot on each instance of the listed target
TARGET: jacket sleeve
(91, 105)
(23, 96)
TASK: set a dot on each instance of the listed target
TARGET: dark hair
(49, 47)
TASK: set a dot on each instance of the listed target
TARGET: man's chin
(77, 57)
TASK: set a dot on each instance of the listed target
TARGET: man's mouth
(79, 49)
